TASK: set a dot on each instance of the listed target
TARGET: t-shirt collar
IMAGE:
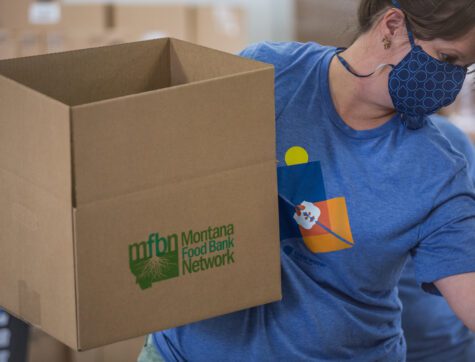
(335, 117)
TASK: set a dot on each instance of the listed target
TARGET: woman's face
(460, 52)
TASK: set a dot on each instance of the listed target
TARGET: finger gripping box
(138, 189)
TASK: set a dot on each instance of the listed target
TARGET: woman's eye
(447, 58)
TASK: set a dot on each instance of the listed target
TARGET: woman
(386, 185)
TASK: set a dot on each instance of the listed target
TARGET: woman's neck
(360, 101)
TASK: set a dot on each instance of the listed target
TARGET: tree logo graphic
(154, 260)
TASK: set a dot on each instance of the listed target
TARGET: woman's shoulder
(459, 140)
(440, 145)
(281, 53)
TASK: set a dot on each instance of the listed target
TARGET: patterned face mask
(419, 85)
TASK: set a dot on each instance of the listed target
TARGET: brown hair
(429, 19)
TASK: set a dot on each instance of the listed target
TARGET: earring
(387, 43)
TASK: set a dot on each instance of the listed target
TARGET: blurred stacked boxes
(32, 27)
(327, 22)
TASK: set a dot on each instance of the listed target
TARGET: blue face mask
(420, 85)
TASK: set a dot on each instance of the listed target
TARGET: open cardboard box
(138, 189)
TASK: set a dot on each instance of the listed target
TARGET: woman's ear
(393, 23)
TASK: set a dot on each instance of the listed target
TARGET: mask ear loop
(408, 27)
(350, 69)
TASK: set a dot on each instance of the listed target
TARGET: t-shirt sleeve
(447, 236)
(286, 58)
(459, 141)
(250, 51)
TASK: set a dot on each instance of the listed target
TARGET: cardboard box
(49, 15)
(138, 189)
(222, 27)
(152, 21)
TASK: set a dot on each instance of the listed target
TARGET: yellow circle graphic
(296, 155)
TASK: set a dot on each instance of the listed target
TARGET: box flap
(89, 75)
(139, 142)
(193, 63)
(35, 138)
(36, 260)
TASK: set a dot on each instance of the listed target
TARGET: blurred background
(33, 27)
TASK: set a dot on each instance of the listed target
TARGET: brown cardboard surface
(175, 21)
(93, 124)
(37, 270)
(102, 151)
(34, 137)
(199, 202)
(97, 74)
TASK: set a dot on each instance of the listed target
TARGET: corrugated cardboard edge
(74, 237)
(76, 291)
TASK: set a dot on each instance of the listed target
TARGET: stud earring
(387, 43)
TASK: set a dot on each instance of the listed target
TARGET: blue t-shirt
(371, 198)
(433, 332)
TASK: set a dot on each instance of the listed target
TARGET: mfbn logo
(154, 260)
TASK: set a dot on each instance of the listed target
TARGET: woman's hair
(429, 19)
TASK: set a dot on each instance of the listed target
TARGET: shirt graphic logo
(304, 209)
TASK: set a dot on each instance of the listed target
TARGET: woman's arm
(459, 290)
